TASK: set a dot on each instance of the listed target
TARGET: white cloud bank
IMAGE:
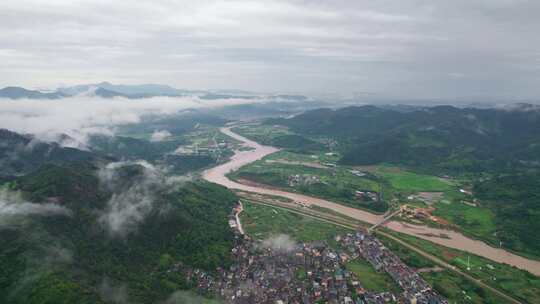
(80, 116)
(280, 242)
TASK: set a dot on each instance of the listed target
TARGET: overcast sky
(406, 48)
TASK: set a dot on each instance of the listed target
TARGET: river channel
(447, 238)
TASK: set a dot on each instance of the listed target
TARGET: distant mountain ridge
(19, 93)
(109, 90)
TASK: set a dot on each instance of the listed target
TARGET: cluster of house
(302, 180)
(366, 195)
(276, 273)
(307, 273)
(202, 150)
(418, 215)
(415, 289)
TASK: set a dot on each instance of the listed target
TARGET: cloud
(81, 116)
(11, 204)
(134, 197)
(184, 297)
(116, 294)
(160, 135)
(129, 206)
(280, 242)
(405, 49)
(57, 254)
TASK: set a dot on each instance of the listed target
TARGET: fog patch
(12, 204)
(57, 254)
(184, 297)
(280, 243)
(113, 293)
(158, 136)
(8, 208)
(130, 204)
(175, 180)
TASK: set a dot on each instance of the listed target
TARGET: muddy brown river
(449, 238)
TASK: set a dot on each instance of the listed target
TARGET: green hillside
(68, 257)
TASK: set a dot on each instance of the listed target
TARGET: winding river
(447, 238)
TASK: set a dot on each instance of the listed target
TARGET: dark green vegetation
(371, 279)
(65, 259)
(411, 182)
(74, 230)
(442, 139)
(515, 201)
(279, 137)
(132, 148)
(21, 154)
(177, 124)
(459, 290)
(189, 129)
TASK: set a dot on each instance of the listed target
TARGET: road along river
(443, 237)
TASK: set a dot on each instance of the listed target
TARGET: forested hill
(443, 138)
(70, 239)
(83, 227)
(21, 154)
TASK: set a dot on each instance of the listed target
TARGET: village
(308, 272)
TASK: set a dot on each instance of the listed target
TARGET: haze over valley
(269, 152)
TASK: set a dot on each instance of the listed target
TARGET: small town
(279, 272)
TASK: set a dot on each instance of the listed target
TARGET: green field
(459, 290)
(336, 184)
(261, 221)
(413, 182)
(478, 222)
(263, 134)
(315, 157)
(183, 297)
(370, 278)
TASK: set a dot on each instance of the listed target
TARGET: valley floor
(448, 238)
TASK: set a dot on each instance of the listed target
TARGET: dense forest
(442, 139)
(106, 224)
(515, 199)
(65, 258)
